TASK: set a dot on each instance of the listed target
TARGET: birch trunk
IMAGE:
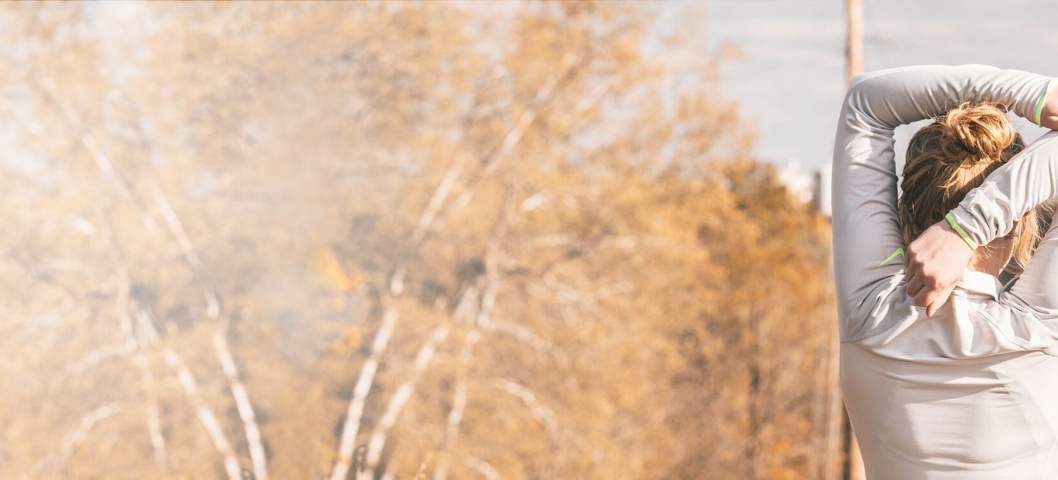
(355, 412)
(243, 406)
(400, 399)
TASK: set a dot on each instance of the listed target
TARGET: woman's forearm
(938, 256)
(865, 222)
(1031, 178)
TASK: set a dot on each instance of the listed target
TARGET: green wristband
(899, 252)
(1040, 103)
(962, 233)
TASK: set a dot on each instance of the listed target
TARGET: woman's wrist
(1047, 110)
(955, 227)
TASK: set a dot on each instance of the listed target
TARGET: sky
(791, 77)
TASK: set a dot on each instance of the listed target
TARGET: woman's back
(955, 395)
(970, 392)
(988, 418)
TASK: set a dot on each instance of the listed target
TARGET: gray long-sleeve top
(969, 393)
(874, 308)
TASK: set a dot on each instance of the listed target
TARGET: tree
(374, 239)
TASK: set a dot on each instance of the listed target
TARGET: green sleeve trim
(962, 233)
(1041, 102)
(899, 252)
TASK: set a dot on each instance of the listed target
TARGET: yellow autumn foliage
(476, 239)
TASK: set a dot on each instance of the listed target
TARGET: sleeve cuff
(965, 223)
(962, 233)
(1041, 103)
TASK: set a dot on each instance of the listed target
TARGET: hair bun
(981, 131)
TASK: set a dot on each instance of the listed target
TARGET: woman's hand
(935, 262)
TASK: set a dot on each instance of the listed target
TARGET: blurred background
(526, 240)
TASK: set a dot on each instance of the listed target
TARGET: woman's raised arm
(866, 229)
(939, 256)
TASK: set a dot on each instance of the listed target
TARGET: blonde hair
(952, 156)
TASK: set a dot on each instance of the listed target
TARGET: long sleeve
(990, 210)
(865, 222)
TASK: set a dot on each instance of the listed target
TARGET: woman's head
(952, 156)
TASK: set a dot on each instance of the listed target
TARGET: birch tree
(387, 240)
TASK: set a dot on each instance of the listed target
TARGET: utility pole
(853, 37)
(854, 66)
(839, 436)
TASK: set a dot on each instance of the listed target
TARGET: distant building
(808, 186)
(796, 179)
(821, 188)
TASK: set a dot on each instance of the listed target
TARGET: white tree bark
(139, 340)
(537, 409)
(479, 320)
(76, 437)
(437, 200)
(153, 413)
(521, 334)
(355, 412)
(205, 415)
(190, 387)
(126, 188)
(459, 405)
(244, 407)
(484, 468)
(400, 399)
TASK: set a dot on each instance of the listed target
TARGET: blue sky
(790, 80)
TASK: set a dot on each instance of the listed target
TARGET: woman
(965, 388)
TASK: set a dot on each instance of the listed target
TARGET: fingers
(919, 286)
(934, 266)
(920, 298)
(934, 302)
(925, 294)
(931, 298)
(915, 291)
(925, 291)
(914, 284)
(912, 280)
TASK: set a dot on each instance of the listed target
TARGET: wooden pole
(832, 468)
(854, 37)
